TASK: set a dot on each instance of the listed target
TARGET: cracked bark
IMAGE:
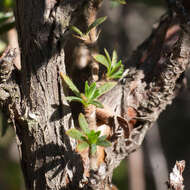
(35, 102)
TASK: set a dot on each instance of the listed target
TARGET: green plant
(114, 69)
(88, 138)
(85, 36)
(91, 93)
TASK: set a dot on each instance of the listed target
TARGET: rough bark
(35, 102)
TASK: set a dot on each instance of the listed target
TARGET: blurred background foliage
(126, 27)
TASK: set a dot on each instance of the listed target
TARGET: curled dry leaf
(175, 181)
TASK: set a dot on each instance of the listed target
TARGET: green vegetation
(88, 138)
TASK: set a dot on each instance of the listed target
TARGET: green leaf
(74, 133)
(97, 104)
(115, 67)
(114, 57)
(70, 84)
(98, 133)
(74, 99)
(83, 145)
(6, 27)
(92, 137)
(96, 94)
(93, 149)
(104, 143)
(78, 31)
(86, 90)
(108, 57)
(96, 23)
(102, 59)
(117, 74)
(91, 91)
(83, 124)
(102, 138)
(106, 87)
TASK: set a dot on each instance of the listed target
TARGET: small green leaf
(106, 87)
(108, 57)
(96, 94)
(93, 149)
(78, 31)
(83, 124)
(114, 57)
(104, 143)
(70, 84)
(102, 138)
(96, 23)
(74, 99)
(117, 74)
(115, 67)
(92, 90)
(102, 59)
(86, 90)
(98, 133)
(97, 104)
(74, 133)
(83, 145)
(92, 137)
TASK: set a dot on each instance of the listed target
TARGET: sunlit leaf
(92, 90)
(117, 74)
(102, 138)
(108, 56)
(70, 84)
(106, 87)
(86, 88)
(83, 124)
(97, 104)
(76, 30)
(74, 99)
(83, 145)
(96, 23)
(104, 143)
(114, 57)
(74, 133)
(116, 67)
(102, 59)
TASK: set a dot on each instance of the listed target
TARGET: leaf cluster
(114, 68)
(91, 93)
(85, 35)
(88, 138)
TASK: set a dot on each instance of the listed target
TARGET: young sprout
(87, 138)
(85, 35)
(91, 93)
(114, 69)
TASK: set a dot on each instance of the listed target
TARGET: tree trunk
(34, 99)
(47, 155)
